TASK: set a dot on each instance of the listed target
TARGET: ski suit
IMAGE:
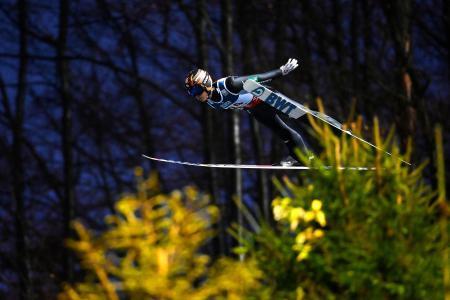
(228, 93)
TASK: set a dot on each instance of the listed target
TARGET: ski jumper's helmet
(197, 81)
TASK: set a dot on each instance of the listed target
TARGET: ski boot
(289, 161)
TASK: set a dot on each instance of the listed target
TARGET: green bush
(382, 239)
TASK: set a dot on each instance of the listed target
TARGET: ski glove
(291, 65)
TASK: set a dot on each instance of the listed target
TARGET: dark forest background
(86, 87)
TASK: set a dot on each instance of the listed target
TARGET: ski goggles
(195, 90)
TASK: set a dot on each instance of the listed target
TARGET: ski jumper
(228, 93)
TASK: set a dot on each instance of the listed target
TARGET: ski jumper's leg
(269, 116)
(295, 140)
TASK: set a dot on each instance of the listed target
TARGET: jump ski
(260, 167)
(296, 110)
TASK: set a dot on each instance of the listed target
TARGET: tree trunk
(247, 30)
(209, 148)
(279, 57)
(308, 50)
(354, 51)
(227, 59)
(340, 78)
(263, 182)
(367, 101)
(198, 22)
(62, 72)
(398, 15)
(22, 258)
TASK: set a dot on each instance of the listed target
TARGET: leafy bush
(151, 251)
(382, 238)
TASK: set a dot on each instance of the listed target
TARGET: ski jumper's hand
(235, 83)
(290, 66)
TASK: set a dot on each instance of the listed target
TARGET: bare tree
(227, 62)
(398, 15)
(62, 72)
(17, 168)
(247, 32)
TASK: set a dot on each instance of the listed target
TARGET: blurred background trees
(87, 86)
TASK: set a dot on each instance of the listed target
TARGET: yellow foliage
(316, 205)
(284, 212)
(150, 251)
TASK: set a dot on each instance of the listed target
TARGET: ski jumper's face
(203, 97)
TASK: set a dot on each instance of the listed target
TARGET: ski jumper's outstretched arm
(235, 84)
